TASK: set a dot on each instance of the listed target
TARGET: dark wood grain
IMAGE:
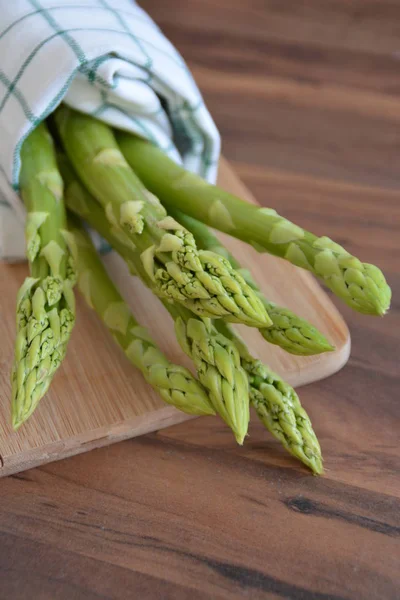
(307, 99)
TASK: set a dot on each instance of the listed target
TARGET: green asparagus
(45, 302)
(218, 366)
(278, 406)
(202, 281)
(362, 286)
(216, 359)
(290, 332)
(175, 384)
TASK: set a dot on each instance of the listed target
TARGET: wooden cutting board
(98, 398)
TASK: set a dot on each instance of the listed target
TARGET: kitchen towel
(106, 58)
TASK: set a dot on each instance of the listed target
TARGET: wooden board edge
(90, 440)
(332, 363)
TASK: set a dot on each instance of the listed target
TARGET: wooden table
(306, 96)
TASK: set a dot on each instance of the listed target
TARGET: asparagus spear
(278, 406)
(362, 286)
(45, 302)
(216, 358)
(202, 281)
(175, 384)
(218, 366)
(290, 332)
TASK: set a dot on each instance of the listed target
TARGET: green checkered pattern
(106, 58)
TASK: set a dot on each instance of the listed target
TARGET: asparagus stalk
(45, 302)
(216, 358)
(175, 384)
(362, 286)
(202, 281)
(278, 406)
(218, 365)
(290, 332)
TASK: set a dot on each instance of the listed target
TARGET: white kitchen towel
(106, 58)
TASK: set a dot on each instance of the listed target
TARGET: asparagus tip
(382, 309)
(17, 421)
(316, 465)
(326, 347)
(239, 437)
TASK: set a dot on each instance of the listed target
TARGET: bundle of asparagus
(123, 186)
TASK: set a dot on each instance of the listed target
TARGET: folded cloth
(106, 58)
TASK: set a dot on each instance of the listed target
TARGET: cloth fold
(106, 58)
